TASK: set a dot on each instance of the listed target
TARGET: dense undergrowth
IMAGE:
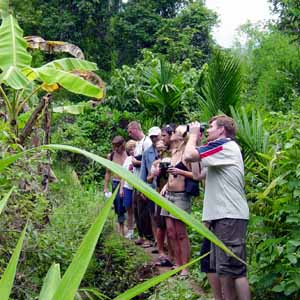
(68, 211)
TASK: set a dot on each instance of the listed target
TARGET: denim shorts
(118, 203)
(127, 200)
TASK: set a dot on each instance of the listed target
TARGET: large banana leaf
(51, 282)
(70, 282)
(69, 81)
(71, 64)
(7, 280)
(5, 199)
(14, 78)
(4, 8)
(71, 109)
(12, 45)
(138, 184)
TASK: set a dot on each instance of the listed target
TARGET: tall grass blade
(7, 279)
(140, 288)
(139, 185)
(70, 282)
(149, 193)
(51, 282)
(5, 199)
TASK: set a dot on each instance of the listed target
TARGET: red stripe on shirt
(211, 152)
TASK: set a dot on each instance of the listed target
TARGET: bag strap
(111, 156)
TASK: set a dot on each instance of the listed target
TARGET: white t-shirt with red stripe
(224, 187)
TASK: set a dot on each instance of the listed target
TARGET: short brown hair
(134, 124)
(118, 141)
(228, 124)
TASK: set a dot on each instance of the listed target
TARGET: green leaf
(222, 85)
(278, 288)
(51, 282)
(69, 81)
(5, 199)
(94, 292)
(14, 78)
(70, 282)
(7, 280)
(4, 8)
(12, 45)
(71, 109)
(292, 258)
(72, 64)
(140, 288)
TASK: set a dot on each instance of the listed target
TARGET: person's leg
(127, 200)
(215, 285)
(151, 209)
(213, 279)
(121, 229)
(242, 288)
(183, 241)
(137, 214)
(160, 239)
(145, 220)
(228, 287)
(231, 271)
(172, 239)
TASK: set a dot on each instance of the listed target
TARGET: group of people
(173, 161)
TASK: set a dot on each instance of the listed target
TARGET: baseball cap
(154, 131)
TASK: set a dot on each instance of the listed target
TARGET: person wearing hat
(143, 142)
(118, 155)
(146, 207)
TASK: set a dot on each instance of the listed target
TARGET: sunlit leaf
(5, 199)
(51, 282)
(7, 279)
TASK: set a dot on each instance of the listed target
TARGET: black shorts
(205, 262)
(232, 232)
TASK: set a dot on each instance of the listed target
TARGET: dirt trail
(160, 270)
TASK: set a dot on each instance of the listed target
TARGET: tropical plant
(163, 91)
(251, 134)
(222, 85)
(25, 81)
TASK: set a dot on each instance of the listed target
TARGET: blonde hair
(130, 144)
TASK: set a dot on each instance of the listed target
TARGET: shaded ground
(156, 270)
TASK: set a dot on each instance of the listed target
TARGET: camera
(163, 166)
(203, 127)
(139, 157)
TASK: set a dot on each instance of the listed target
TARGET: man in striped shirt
(225, 208)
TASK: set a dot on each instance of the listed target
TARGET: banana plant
(19, 82)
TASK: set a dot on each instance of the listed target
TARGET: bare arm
(190, 153)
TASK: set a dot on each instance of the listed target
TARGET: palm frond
(222, 85)
(251, 133)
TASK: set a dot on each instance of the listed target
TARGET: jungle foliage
(161, 66)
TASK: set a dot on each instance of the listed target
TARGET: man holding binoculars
(225, 209)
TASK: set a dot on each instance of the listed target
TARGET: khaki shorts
(181, 200)
(232, 232)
